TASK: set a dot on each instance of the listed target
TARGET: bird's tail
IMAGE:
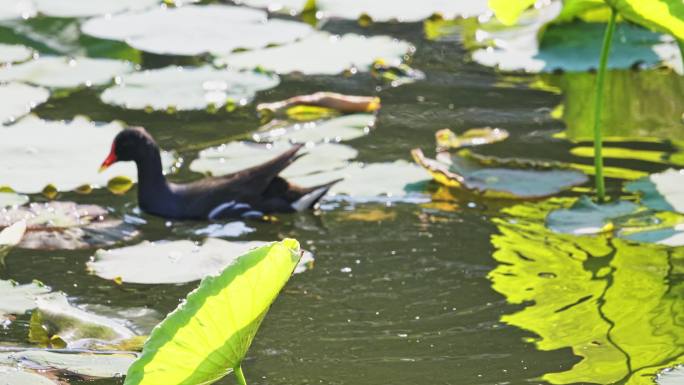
(312, 196)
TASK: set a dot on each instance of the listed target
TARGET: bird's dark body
(251, 192)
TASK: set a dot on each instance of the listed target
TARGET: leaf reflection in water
(617, 304)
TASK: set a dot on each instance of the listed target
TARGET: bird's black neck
(154, 191)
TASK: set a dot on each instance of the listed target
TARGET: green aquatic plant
(211, 331)
(665, 16)
(617, 304)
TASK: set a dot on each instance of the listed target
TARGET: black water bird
(251, 192)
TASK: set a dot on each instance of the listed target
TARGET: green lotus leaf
(661, 191)
(19, 99)
(509, 11)
(171, 262)
(186, 88)
(13, 53)
(574, 291)
(194, 29)
(31, 160)
(64, 72)
(235, 156)
(211, 331)
(671, 376)
(571, 47)
(666, 16)
(322, 53)
(498, 182)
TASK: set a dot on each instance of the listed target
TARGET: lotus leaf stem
(598, 97)
(239, 375)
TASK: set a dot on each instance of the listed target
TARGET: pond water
(440, 292)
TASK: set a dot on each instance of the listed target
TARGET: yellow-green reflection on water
(618, 305)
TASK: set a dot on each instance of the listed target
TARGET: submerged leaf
(335, 101)
(446, 139)
(509, 183)
(322, 53)
(168, 262)
(186, 88)
(212, 330)
(63, 72)
(194, 29)
(66, 225)
(19, 99)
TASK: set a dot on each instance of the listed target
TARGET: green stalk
(239, 376)
(598, 109)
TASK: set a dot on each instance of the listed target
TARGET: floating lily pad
(447, 139)
(231, 229)
(570, 46)
(19, 99)
(8, 199)
(67, 225)
(18, 299)
(322, 53)
(16, 9)
(18, 376)
(672, 376)
(662, 191)
(35, 153)
(168, 262)
(187, 88)
(98, 365)
(337, 129)
(9, 237)
(193, 30)
(587, 217)
(236, 156)
(392, 181)
(511, 183)
(61, 72)
(330, 100)
(10, 53)
(88, 8)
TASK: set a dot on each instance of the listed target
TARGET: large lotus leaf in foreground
(575, 291)
(322, 53)
(64, 72)
(193, 30)
(171, 262)
(19, 99)
(189, 88)
(211, 331)
(35, 153)
(498, 182)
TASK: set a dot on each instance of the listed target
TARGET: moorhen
(249, 193)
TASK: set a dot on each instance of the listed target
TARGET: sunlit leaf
(332, 100)
(666, 16)
(168, 262)
(322, 53)
(8, 199)
(212, 330)
(9, 237)
(509, 11)
(19, 99)
(193, 30)
(661, 191)
(588, 217)
(16, 9)
(13, 376)
(12, 53)
(671, 376)
(88, 8)
(186, 88)
(63, 72)
(83, 364)
(236, 156)
(337, 129)
(574, 291)
(498, 182)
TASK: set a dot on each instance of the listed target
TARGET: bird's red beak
(111, 159)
